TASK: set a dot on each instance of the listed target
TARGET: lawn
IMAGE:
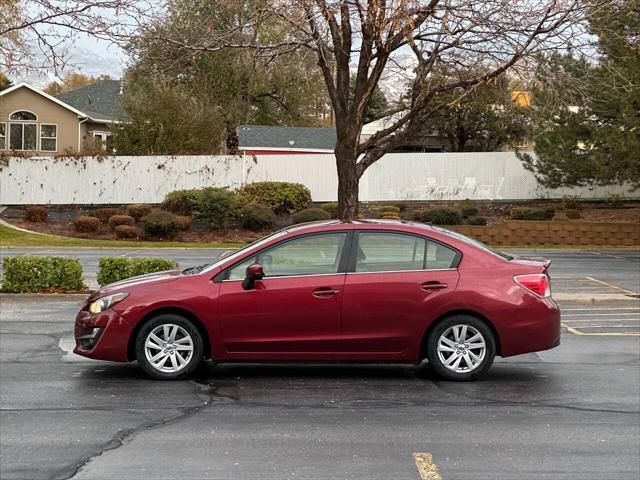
(10, 237)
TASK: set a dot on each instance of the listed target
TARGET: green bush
(310, 215)
(181, 202)
(113, 269)
(41, 274)
(215, 206)
(475, 220)
(573, 214)
(118, 220)
(467, 212)
(438, 216)
(104, 214)
(86, 224)
(127, 232)
(532, 213)
(139, 210)
(331, 209)
(570, 202)
(281, 197)
(160, 224)
(256, 217)
(185, 222)
(36, 214)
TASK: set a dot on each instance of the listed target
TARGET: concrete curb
(596, 299)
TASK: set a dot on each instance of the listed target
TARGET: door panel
(283, 315)
(386, 311)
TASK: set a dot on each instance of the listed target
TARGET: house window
(3, 136)
(48, 137)
(23, 116)
(23, 134)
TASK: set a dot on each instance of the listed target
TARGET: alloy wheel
(168, 348)
(461, 348)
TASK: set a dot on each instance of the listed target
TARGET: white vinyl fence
(398, 176)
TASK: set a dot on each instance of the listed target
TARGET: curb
(596, 299)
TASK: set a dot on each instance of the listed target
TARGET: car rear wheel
(461, 348)
(169, 347)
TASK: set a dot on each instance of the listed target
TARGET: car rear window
(475, 243)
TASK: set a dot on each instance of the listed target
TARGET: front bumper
(110, 342)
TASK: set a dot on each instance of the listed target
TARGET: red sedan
(362, 291)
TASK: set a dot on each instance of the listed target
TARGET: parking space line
(591, 309)
(619, 314)
(611, 285)
(426, 468)
(603, 334)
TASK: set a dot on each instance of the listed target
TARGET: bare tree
(447, 38)
(36, 34)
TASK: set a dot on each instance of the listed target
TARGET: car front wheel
(169, 347)
(461, 348)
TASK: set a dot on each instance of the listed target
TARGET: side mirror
(254, 272)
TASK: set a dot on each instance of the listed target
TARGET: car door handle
(432, 286)
(325, 292)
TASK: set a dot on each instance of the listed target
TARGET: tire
(473, 362)
(176, 358)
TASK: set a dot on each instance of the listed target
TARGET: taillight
(536, 283)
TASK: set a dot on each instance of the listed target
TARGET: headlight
(101, 304)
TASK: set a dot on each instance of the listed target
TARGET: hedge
(113, 269)
(36, 214)
(532, 213)
(41, 274)
(161, 225)
(281, 197)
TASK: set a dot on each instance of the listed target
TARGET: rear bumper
(531, 330)
(112, 338)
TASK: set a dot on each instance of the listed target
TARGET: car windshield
(238, 253)
(476, 243)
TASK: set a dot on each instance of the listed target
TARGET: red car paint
(348, 316)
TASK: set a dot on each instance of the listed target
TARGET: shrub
(185, 222)
(331, 209)
(181, 202)
(475, 220)
(281, 197)
(310, 215)
(402, 206)
(467, 212)
(389, 210)
(104, 214)
(215, 206)
(86, 224)
(438, 216)
(532, 213)
(127, 231)
(138, 210)
(572, 214)
(256, 217)
(570, 203)
(36, 214)
(113, 269)
(160, 224)
(390, 216)
(41, 274)
(118, 220)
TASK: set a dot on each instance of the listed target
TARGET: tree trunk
(348, 181)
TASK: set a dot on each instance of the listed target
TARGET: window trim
(40, 138)
(23, 110)
(352, 259)
(3, 145)
(223, 276)
(23, 123)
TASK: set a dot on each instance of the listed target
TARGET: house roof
(99, 101)
(286, 138)
(45, 95)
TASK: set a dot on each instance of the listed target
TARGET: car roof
(324, 225)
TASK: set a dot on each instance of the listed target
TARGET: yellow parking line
(611, 285)
(426, 468)
(578, 332)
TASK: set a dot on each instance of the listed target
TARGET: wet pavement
(568, 413)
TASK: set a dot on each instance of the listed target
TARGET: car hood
(156, 277)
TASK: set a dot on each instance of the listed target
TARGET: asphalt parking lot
(568, 413)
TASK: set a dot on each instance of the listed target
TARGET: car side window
(391, 251)
(386, 251)
(308, 255)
